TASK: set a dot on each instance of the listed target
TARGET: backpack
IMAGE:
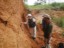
(60, 45)
(31, 23)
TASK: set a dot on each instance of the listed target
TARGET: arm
(23, 22)
(34, 20)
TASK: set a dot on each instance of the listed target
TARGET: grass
(59, 21)
(46, 6)
(63, 34)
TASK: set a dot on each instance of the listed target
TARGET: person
(31, 22)
(47, 29)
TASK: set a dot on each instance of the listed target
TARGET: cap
(29, 14)
(46, 15)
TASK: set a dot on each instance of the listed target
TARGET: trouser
(33, 31)
(47, 42)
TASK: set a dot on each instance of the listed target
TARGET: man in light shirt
(31, 22)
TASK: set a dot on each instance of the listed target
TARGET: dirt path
(56, 35)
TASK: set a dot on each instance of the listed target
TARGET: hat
(30, 15)
(46, 15)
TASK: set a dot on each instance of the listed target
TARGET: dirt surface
(57, 31)
(13, 34)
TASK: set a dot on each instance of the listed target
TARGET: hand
(23, 22)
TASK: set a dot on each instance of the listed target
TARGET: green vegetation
(57, 6)
(62, 34)
(39, 22)
(59, 21)
(48, 6)
(39, 6)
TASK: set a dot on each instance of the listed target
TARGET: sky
(31, 2)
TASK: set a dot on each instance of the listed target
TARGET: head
(47, 20)
(29, 16)
(46, 16)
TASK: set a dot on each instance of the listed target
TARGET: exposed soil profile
(13, 34)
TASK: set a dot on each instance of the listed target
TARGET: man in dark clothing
(47, 29)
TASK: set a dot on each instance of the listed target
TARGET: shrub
(59, 21)
(63, 34)
(39, 22)
(62, 6)
(57, 6)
